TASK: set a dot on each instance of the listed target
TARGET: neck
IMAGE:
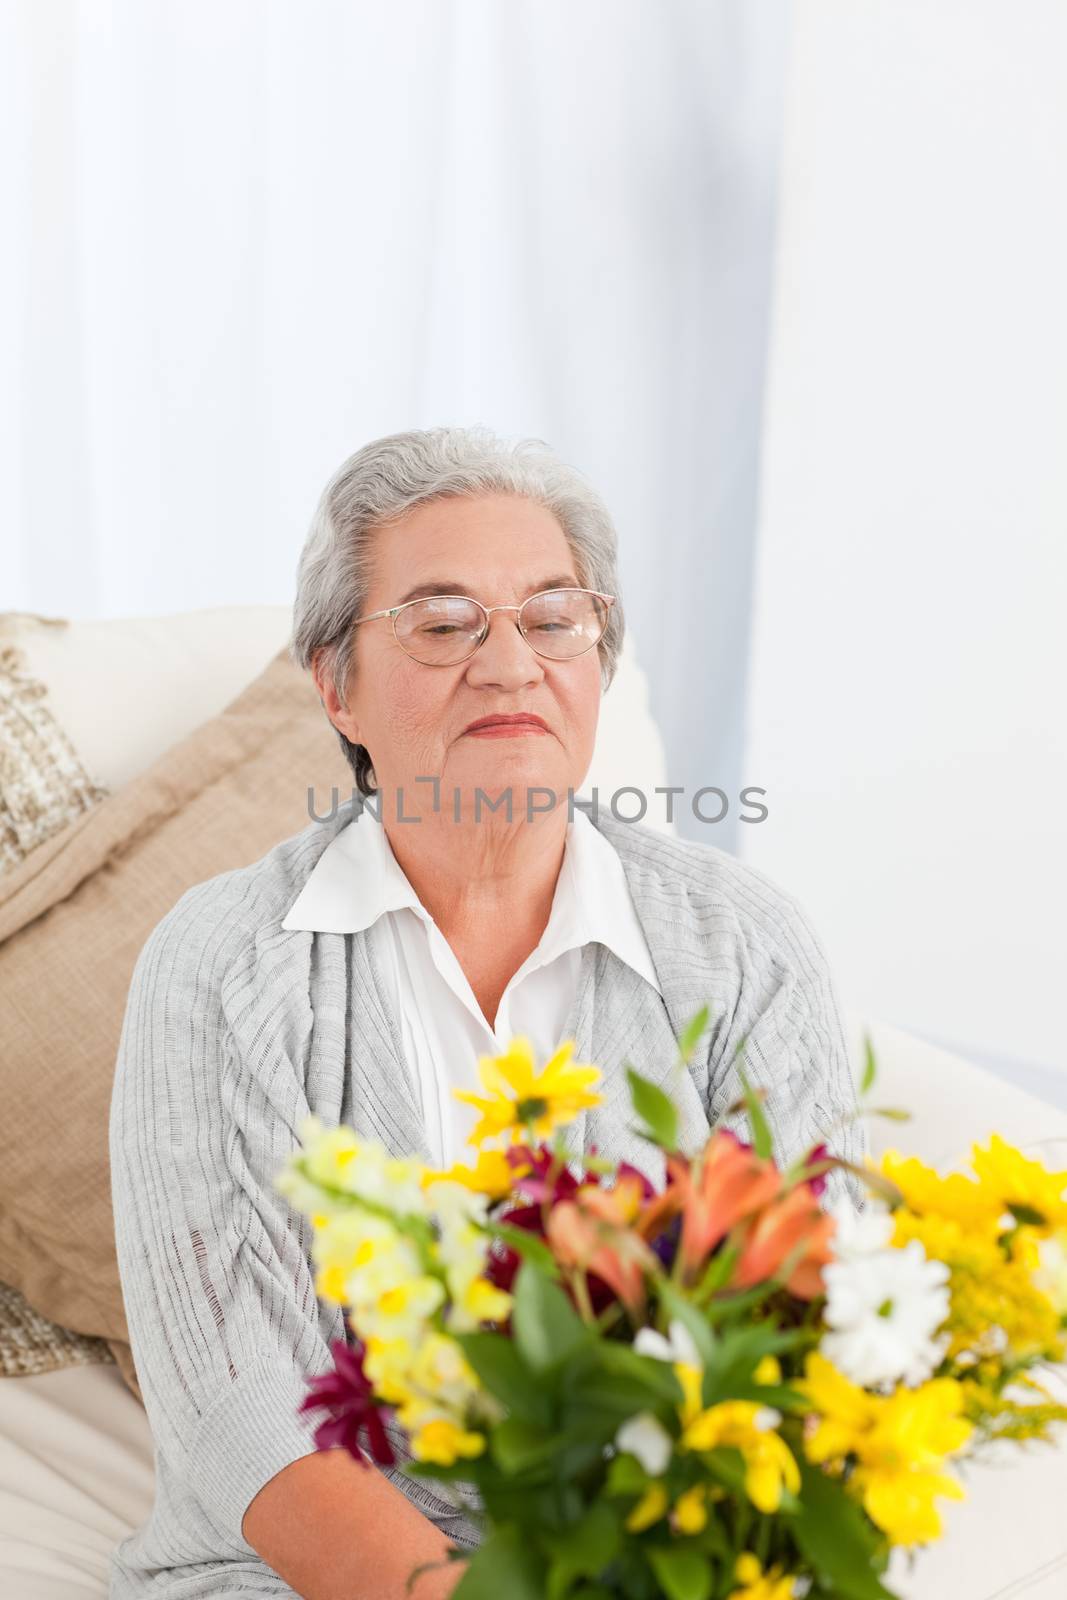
(489, 880)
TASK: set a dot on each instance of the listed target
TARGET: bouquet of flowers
(727, 1390)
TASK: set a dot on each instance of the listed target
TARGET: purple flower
(818, 1183)
(348, 1395)
(666, 1244)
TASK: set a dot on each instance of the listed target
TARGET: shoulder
(227, 920)
(712, 896)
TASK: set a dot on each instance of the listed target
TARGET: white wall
(249, 237)
(909, 663)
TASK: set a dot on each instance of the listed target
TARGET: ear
(332, 704)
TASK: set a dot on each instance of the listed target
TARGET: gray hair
(391, 476)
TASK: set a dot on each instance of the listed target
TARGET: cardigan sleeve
(224, 1322)
(787, 1035)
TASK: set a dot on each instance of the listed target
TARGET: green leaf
(517, 1445)
(682, 1574)
(525, 1500)
(657, 1109)
(544, 1457)
(506, 1564)
(836, 1536)
(762, 1142)
(778, 1395)
(656, 1378)
(546, 1327)
(626, 1475)
(718, 1271)
(728, 1307)
(740, 1350)
(712, 1540)
(870, 1066)
(727, 1465)
(529, 1246)
(467, 1469)
(691, 1318)
(687, 1039)
(583, 1551)
(891, 1113)
(502, 1370)
(606, 1400)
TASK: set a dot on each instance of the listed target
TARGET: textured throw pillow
(44, 783)
(74, 916)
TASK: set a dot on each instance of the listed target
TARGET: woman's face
(413, 718)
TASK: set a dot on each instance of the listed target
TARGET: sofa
(192, 704)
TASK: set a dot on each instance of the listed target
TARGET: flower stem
(579, 1283)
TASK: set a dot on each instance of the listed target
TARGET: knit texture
(235, 1029)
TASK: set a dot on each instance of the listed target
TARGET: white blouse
(357, 884)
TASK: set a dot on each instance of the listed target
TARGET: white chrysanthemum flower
(678, 1346)
(645, 1437)
(883, 1311)
(860, 1233)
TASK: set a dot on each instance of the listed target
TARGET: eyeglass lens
(446, 629)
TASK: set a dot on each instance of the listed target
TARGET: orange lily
(714, 1191)
(797, 1218)
(592, 1232)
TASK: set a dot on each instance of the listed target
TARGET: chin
(518, 776)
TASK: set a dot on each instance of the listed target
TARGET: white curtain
(250, 236)
(909, 661)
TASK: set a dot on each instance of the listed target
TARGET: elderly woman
(458, 608)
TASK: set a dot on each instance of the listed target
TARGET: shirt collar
(357, 879)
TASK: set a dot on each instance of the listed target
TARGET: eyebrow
(455, 586)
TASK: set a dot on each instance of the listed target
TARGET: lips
(520, 719)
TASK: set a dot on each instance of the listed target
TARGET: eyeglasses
(445, 629)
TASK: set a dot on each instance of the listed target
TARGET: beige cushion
(159, 678)
(73, 918)
(953, 1104)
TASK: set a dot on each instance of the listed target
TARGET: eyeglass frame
(394, 611)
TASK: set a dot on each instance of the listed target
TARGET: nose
(504, 658)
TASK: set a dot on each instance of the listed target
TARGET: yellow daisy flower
(757, 1584)
(492, 1175)
(1014, 1180)
(957, 1196)
(521, 1102)
(900, 1442)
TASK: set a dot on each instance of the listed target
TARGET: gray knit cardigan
(235, 1029)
